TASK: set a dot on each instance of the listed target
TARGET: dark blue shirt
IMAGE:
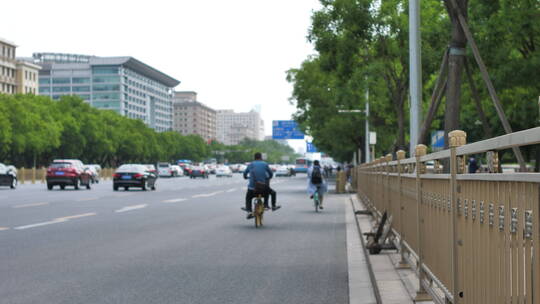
(258, 171)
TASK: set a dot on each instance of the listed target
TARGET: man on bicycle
(259, 174)
(316, 182)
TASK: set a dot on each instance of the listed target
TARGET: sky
(234, 54)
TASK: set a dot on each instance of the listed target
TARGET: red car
(67, 172)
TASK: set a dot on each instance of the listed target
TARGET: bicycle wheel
(316, 201)
(258, 214)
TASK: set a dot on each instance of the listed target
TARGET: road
(187, 242)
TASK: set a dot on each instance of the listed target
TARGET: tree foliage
(35, 130)
(363, 44)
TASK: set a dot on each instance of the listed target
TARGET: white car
(165, 169)
(177, 170)
(223, 171)
(283, 171)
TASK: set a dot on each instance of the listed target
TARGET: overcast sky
(234, 54)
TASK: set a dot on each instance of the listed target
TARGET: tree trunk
(456, 60)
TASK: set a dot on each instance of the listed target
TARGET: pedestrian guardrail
(473, 238)
(34, 175)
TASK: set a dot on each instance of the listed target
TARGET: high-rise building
(233, 127)
(193, 117)
(122, 84)
(8, 67)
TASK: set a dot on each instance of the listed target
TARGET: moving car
(151, 168)
(8, 176)
(177, 170)
(134, 175)
(67, 172)
(283, 171)
(198, 172)
(223, 171)
(165, 169)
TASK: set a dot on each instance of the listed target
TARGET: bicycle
(258, 210)
(316, 199)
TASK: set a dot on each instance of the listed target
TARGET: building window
(106, 87)
(105, 70)
(61, 89)
(81, 80)
(60, 80)
(44, 80)
(81, 89)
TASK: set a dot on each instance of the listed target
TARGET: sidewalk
(372, 278)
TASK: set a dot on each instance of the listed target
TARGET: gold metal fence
(37, 175)
(473, 238)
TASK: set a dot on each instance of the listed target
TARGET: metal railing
(473, 238)
(33, 175)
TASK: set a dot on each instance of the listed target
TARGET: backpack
(316, 176)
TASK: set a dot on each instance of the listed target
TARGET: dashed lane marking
(39, 224)
(4, 228)
(72, 217)
(231, 190)
(207, 195)
(55, 221)
(31, 205)
(88, 199)
(130, 208)
(176, 200)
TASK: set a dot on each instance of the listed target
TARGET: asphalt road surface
(186, 242)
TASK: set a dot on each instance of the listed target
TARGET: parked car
(94, 173)
(223, 171)
(198, 171)
(165, 169)
(283, 171)
(241, 168)
(177, 170)
(67, 172)
(8, 176)
(134, 175)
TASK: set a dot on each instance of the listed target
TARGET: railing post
(403, 262)
(22, 176)
(388, 201)
(421, 294)
(456, 139)
(33, 175)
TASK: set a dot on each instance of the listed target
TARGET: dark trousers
(250, 195)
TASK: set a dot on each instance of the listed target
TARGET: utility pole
(367, 151)
(415, 73)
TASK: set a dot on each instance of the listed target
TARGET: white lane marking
(231, 190)
(87, 199)
(4, 228)
(207, 195)
(71, 217)
(39, 224)
(55, 221)
(176, 200)
(31, 205)
(129, 208)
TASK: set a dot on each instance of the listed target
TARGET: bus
(302, 165)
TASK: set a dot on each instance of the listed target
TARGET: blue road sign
(310, 148)
(437, 140)
(286, 129)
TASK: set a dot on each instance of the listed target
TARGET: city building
(27, 77)
(233, 127)
(8, 67)
(122, 84)
(193, 117)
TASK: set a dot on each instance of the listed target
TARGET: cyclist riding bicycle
(259, 174)
(317, 182)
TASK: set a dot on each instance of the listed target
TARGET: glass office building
(122, 84)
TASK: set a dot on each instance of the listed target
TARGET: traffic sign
(286, 129)
(437, 140)
(310, 148)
